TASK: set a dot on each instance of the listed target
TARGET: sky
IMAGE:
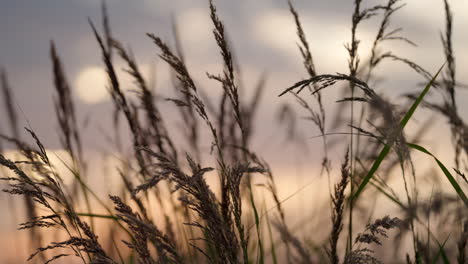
(261, 32)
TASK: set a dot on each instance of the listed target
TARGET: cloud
(196, 32)
(433, 15)
(59, 159)
(326, 35)
(91, 82)
(276, 29)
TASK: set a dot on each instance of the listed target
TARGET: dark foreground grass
(195, 223)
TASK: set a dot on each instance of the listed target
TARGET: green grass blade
(387, 148)
(441, 253)
(122, 261)
(388, 195)
(272, 244)
(372, 171)
(375, 183)
(99, 216)
(111, 217)
(257, 224)
(444, 169)
(419, 100)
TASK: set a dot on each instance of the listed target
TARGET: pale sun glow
(91, 85)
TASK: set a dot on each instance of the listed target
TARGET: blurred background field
(264, 43)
